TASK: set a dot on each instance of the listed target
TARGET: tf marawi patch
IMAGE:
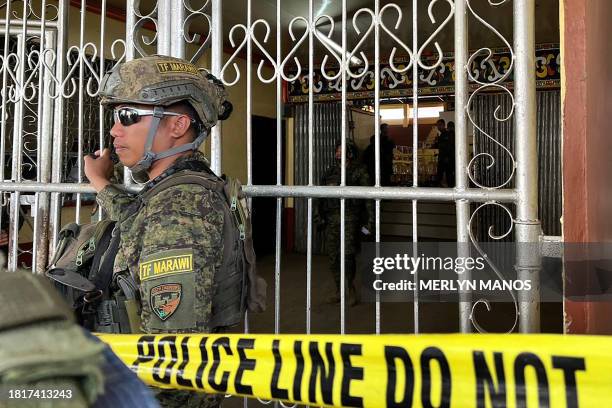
(165, 299)
(166, 263)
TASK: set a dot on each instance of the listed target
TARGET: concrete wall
(364, 128)
(234, 161)
(587, 145)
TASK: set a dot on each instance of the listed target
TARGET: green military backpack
(41, 349)
(82, 266)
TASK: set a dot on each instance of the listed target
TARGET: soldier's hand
(99, 168)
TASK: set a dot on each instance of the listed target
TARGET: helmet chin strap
(139, 170)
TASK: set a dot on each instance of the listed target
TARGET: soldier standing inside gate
(446, 155)
(358, 217)
(163, 109)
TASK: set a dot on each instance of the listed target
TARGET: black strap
(128, 286)
(103, 273)
(192, 164)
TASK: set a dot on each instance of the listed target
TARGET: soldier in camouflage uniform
(172, 245)
(358, 215)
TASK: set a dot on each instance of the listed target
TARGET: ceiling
(500, 17)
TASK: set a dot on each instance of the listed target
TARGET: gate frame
(171, 41)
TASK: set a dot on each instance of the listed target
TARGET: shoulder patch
(165, 299)
(166, 263)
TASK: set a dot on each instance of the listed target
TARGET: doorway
(264, 173)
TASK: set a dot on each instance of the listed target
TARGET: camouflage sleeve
(364, 180)
(181, 250)
(115, 201)
(319, 204)
(363, 177)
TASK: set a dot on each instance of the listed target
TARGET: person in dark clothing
(386, 157)
(358, 218)
(446, 155)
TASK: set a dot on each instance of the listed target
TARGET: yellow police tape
(377, 371)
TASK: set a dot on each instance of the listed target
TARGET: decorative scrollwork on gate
(118, 57)
(406, 48)
(197, 14)
(489, 76)
(356, 64)
(491, 264)
(271, 61)
(482, 156)
(89, 107)
(323, 39)
(361, 72)
(26, 7)
(140, 40)
(495, 78)
(432, 37)
(249, 35)
(294, 48)
(27, 89)
(473, 72)
(234, 55)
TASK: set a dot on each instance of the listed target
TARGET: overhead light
(392, 113)
(400, 112)
(367, 108)
(427, 112)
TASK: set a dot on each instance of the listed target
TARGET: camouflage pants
(351, 248)
(189, 399)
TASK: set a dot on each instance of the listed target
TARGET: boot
(335, 298)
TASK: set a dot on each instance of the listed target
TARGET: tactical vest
(83, 263)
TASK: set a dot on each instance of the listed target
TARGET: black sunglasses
(128, 116)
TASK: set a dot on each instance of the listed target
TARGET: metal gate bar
(342, 159)
(370, 193)
(377, 313)
(415, 157)
(461, 151)
(527, 224)
(101, 72)
(171, 19)
(3, 130)
(45, 138)
(279, 181)
(310, 164)
(17, 141)
(216, 56)
(58, 123)
(80, 109)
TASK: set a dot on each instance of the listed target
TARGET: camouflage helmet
(159, 80)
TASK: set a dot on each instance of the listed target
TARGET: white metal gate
(60, 69)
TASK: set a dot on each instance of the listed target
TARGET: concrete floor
(395, 317)
(361, 319)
